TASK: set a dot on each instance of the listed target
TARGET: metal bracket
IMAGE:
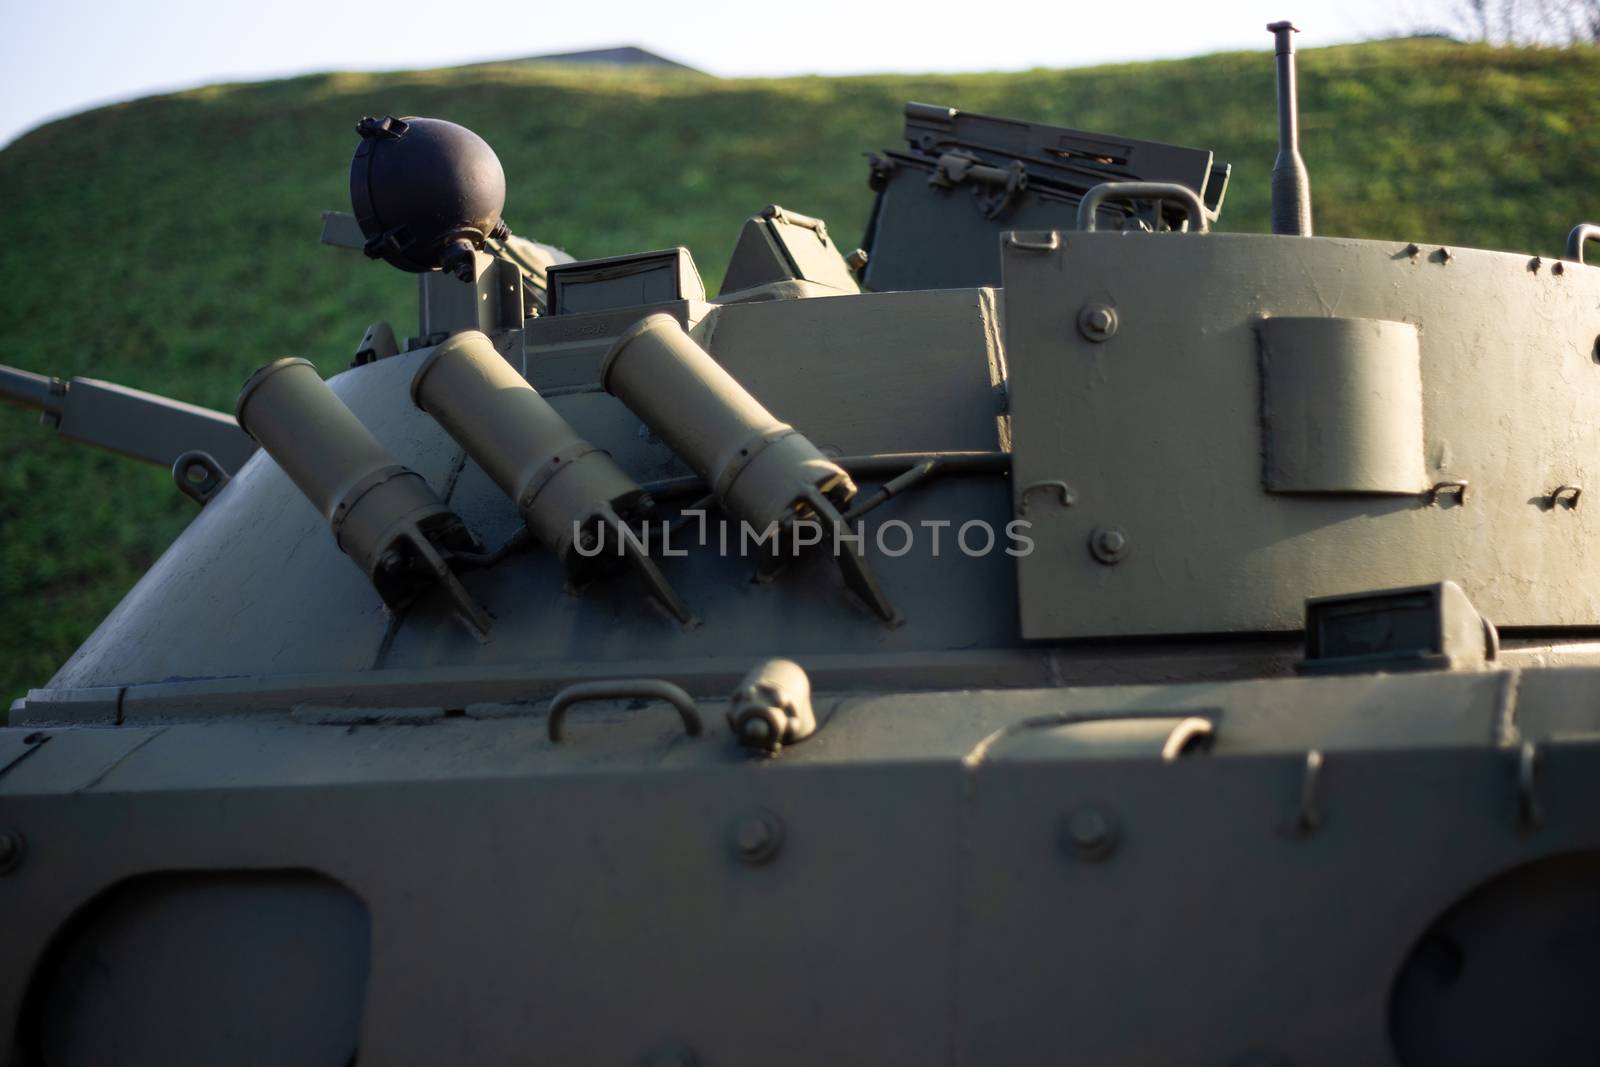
(880, 169)
(198, 476)
(13, 849)
(377, 343)
(1571, 493)
(386, 128)
(1308, 812)
(1529, 812)
(655, 582)
(1049, 244)
(467, 609)
(994, 188)
(853, 566)
(1438, 489)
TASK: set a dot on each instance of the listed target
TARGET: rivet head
(1090, 833)
(12, 848)
(1097, 322)
(1108, 544)
(757, 837)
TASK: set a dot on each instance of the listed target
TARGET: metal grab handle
(1581, 233)
(1457, 486)
(645, 688)
(1142, 191)
(1067, 495)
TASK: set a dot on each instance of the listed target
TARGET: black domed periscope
(384, 515)
(427, 193)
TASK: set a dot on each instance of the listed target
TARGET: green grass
(170, 243)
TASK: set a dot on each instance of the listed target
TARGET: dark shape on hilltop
(625, 55)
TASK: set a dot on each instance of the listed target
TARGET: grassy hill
(170, 243)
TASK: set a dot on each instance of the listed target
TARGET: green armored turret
(1052, 631)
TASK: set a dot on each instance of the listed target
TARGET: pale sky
(62, 56)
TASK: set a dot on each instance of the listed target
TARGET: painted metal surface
(1097, 800)
(1341, 406)
(515, 884)
(1165, 440)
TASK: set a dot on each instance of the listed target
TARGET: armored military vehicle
(1051, 632)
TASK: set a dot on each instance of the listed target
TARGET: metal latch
(995, 188)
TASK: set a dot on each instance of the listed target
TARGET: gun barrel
(131, 422)
(29, 390)
(1291, 186)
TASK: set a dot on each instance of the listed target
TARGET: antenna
(1291, 186)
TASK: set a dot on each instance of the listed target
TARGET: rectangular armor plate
(1156, 424)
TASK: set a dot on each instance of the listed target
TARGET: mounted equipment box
(966, 178)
